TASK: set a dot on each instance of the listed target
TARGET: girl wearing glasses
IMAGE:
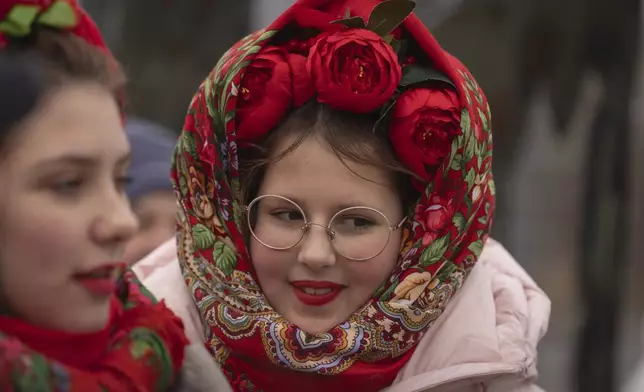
(336, 195)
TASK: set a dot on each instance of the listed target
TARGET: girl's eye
(70, 187)
(288, 216)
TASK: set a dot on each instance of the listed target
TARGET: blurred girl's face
(64, 218)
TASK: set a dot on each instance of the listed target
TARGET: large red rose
(273, 83)
(354, 70)
(422, 125)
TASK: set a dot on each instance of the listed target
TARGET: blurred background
(564, 81)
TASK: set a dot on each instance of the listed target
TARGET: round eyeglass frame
(305, 227)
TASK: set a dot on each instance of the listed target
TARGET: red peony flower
(354, 70)
(273, 83)
(422, 125)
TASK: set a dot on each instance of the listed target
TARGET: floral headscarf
(142, 347)
(356, 56)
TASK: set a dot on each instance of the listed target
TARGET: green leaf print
(204, 238)
(479, 97)
(453, 156)
(36, 377)
(467, 95)
(476, 247)
(388, 293)
(183, 185)
(468, 154)
(465, 123)
(448, 269)
(457, 163)
(237, 215)
(486, 124)
(190, 144)
(459, 222)
(470, 178)
(266, 35)
(492, 185)
(225, 258)
(435, 251)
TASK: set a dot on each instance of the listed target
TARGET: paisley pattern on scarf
(250, 340)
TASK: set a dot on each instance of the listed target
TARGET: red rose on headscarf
(273, 82)
(354, 70)
(435, 219)
(422, 125)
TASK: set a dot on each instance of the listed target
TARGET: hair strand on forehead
(350, 137)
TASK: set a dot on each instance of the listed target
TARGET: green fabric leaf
(388, 15)
(224, 258)
(435, 251)
(19, 20)
(354, 22)
(59, 15)
(395, 44)
(204, 238)
(413, 74)
(383, 114)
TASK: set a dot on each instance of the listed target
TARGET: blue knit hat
(152, 148)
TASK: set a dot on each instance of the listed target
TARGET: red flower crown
(357, 66)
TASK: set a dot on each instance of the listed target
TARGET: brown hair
(350, 136)
(44, 61)
(68, 58)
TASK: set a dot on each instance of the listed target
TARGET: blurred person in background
(150, 191)
(72, 316)
(336, 196)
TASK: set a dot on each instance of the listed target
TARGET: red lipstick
(316, 293)
(99, 281)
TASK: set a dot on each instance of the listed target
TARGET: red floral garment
(447, 227)
(142, 349)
